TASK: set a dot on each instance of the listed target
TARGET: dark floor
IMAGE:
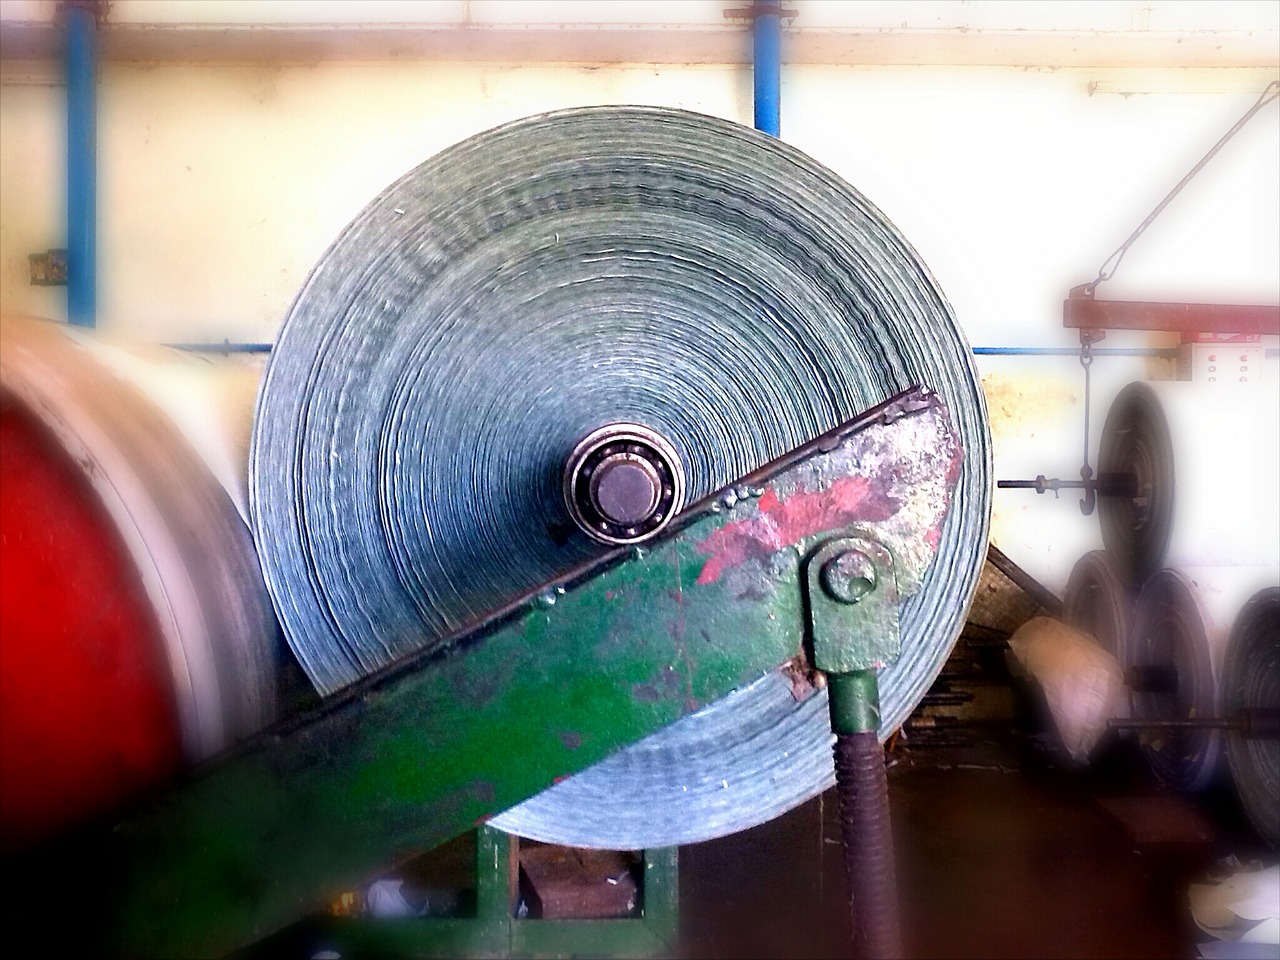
(1002, 852)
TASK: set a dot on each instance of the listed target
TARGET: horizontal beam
(1084, 312)
(726, 43)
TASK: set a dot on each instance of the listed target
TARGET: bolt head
(848, 576)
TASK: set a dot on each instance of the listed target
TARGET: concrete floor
(1002, 854)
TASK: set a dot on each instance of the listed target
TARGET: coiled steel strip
(520, 289)
(1205, 461)
(1251, 681)
(1098, 601)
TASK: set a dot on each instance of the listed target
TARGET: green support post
(855, 702)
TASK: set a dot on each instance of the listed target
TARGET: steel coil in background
(1206, 456)
(1182, 622)
(524, 287)
(1251, 681)
(174, 554)
(1098, 601)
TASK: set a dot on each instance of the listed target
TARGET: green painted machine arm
(537, 691)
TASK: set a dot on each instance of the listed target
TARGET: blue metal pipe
(767, 42)
(231, 346)
(82, 157)
(226, 346)
(1073, 352)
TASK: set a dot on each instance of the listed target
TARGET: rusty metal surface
(569, 883)
(1083, 312)
(867, 841)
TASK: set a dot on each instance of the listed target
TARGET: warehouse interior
(647, 478)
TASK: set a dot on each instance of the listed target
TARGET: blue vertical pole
(767, 37)
(82, 155)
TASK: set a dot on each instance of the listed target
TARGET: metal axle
(1256, 724)
(1104, 485)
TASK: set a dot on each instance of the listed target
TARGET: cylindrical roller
(1181, 624)
(1099, 602)
(1205, 461)
(137, 631)
(1251, 681)
(210, 402)
(522, 289)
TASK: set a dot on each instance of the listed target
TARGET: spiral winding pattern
(524, 287)
(1097, 601)
(1251, 681)
(1206, 460)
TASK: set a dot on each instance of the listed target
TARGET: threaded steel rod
(863, 789)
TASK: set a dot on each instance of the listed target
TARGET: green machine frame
(798, 566)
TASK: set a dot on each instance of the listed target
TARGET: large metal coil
(1251, 681)
(1181, 627)
(1099, 602)
(138, 633)
(521, 289)
(1206, 460)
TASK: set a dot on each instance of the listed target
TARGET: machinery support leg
(863, 789)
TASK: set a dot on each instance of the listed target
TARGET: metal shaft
(1261, 723)
(1207, 723)
(863, 789)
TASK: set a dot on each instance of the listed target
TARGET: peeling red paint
(781, 523)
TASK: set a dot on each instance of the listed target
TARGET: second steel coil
(1180, 632)
(1251, 681)
(1098, 602)
(1205, 459)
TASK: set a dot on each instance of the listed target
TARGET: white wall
(220, 184)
